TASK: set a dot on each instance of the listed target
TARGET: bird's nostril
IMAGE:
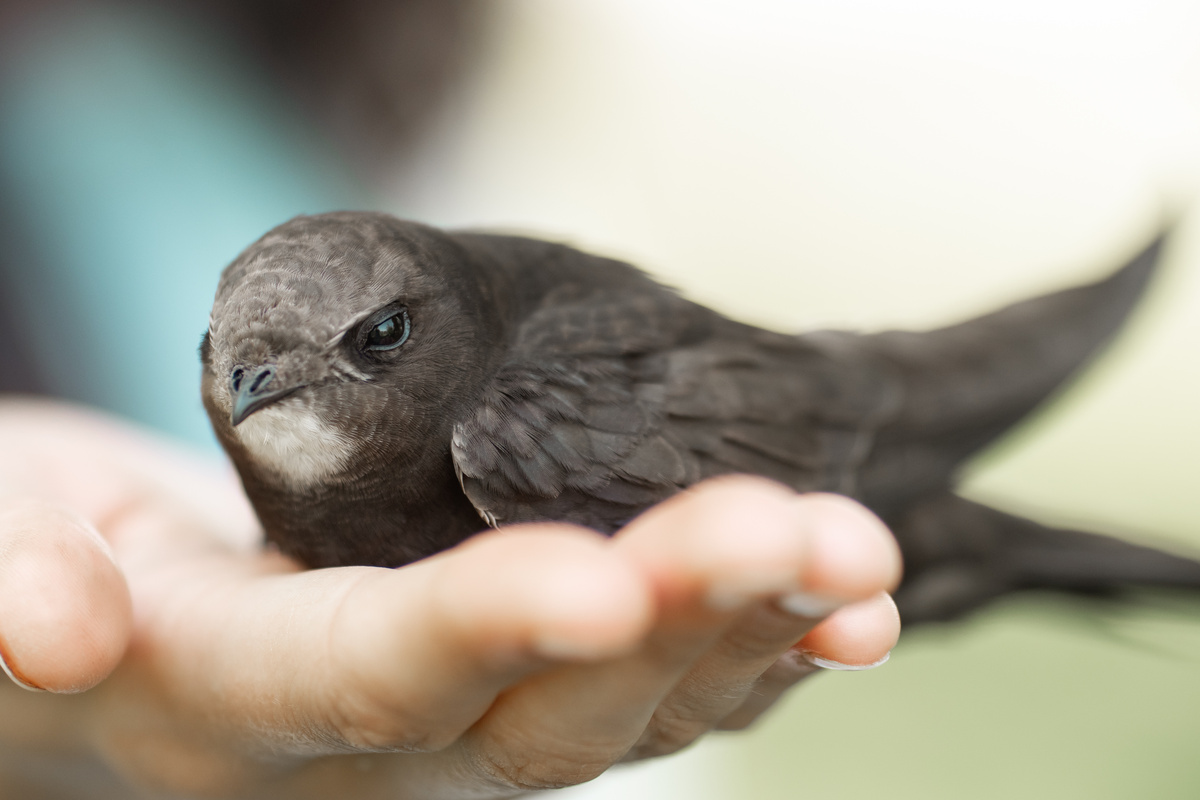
(254, 388)
(263, 377)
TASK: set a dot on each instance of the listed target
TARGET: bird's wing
(575, 439)
(966, 384)
(759, 402)
(572, 426)
(615, 403)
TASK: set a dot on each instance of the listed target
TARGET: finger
(857, 637)
(474, 621)
(65, 612)
(374, 659)
(848, 554)
(788, 670)
(709, 553)
(114, 466)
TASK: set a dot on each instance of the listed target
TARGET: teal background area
(144, 156)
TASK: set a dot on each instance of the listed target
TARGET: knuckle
(384, 738)
(693, 710)
(518, 770)
(754, 642)
(669, 732)
(761, 636)
(360, 725)
(736, 723)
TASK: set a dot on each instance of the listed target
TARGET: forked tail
(960, 555)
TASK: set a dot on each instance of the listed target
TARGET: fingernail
(13, 676)
(825, 663)
(560, 649)
(733, 594)
(722, 598)
(807, 604)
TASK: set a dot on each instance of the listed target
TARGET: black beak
(253, 389)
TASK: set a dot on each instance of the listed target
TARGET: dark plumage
(394, 386)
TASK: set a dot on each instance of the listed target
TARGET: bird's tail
(960, 555)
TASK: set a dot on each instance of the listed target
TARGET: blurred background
(794, 163)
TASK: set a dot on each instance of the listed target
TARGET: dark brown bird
(387, 389)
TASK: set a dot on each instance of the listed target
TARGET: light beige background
(870, 164)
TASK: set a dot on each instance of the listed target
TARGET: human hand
(530, 657)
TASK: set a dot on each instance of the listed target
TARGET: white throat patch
(294, 443)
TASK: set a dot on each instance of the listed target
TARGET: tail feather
(960, 555)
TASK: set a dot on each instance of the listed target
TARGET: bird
(387, 389)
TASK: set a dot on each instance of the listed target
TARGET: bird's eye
(388, 333)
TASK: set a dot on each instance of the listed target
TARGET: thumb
(65, 611)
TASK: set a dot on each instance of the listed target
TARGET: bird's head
(341, 340)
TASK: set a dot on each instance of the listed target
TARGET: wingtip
(1137, 272)
(965, 385)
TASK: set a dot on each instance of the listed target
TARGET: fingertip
(560, 589)
(859, 634)
(851, 553)
(65, 609)
(716, 507)
(732, 539)
(746, 537)
(593, 603)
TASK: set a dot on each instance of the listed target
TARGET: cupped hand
(533, 656)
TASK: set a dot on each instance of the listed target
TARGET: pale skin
(179, 657)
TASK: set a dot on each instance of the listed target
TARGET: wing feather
(572, 429)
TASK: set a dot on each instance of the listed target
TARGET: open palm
(529, 657)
